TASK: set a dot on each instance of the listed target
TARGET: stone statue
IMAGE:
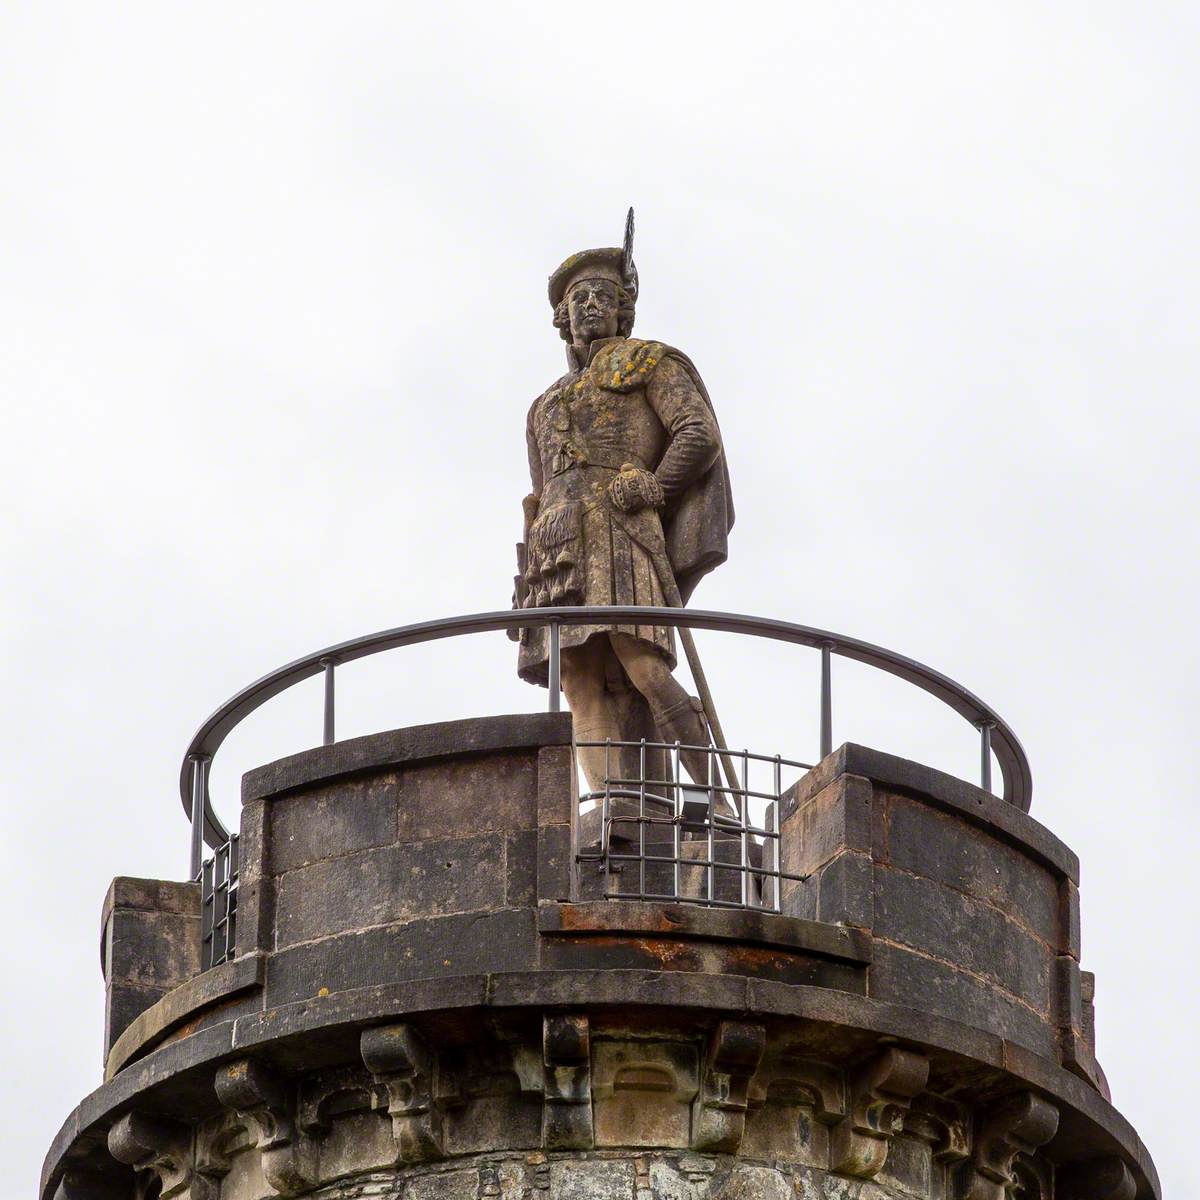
(630, 505)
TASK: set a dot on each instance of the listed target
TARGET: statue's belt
(579, 464)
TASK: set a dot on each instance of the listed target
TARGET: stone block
(388, 885)
(726, 882)
(446, 1185)
(152, 950)
(123, 1004)
(836, 818)
(1068, 919)
(256, 893)
(799, 898)
(357, 1142)
(327, 822)
(747, 1182)
(150, 895)
(788, 1128)
(462, 796)
(591, 1180)
(908, 1167)
(1087, 995)
(556, 784)
(458, 945)
(962, 855)
(520, 869)
(1068, 996)
(498, 1119)
(900, 976)
(554, 862)
(642, 1092)
(846, 890)
(150, 945)
(949, 925)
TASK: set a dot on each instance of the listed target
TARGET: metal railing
(690, 842)
(996, 738)
(218, 904)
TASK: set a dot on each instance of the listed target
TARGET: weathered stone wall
(973, 908)
(419, 1007)
(611, 1176)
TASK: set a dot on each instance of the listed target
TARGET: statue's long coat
(632, 401)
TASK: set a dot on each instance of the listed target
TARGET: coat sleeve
(694, 441)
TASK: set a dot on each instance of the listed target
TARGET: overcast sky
(273, 311)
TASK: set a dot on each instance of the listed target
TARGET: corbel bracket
(214, 1144)
(1018, 1125)
(880, 1092)
(567, 1103)
(418, 1091)
(155, 1144)
(1106, 1178)
(82, 1183)
(944, 1124)
(735, 1050)
(261, 1098)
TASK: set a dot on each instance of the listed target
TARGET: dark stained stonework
(421, 1008)
(149, 945)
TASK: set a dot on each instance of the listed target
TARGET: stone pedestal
(426, 1002)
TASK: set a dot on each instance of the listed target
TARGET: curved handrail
(1014, 766)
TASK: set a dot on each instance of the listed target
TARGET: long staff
(671, 592)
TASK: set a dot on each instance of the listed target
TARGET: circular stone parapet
(420, 1004)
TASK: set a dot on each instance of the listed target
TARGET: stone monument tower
(427, 966)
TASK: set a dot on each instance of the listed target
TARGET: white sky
(273, 311)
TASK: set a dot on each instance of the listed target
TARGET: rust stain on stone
(574, 919)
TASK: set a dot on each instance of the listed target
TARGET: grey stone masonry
(424, 1002)
(150, 944)
(973, 908)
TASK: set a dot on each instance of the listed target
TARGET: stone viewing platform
(428, 988)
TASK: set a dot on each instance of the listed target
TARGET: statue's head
(594, 308)
(594, 295)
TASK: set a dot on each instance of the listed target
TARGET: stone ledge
(150, 895)
(648, 919)
(402, 747)
(943, 791)
(216, 984)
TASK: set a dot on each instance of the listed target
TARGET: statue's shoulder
(628, 364)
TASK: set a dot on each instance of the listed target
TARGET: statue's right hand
(632, 488)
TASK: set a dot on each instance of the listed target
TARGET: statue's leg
(595, 719)
(673, 710)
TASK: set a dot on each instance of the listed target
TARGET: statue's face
(594, 307)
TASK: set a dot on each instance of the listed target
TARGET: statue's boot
(684, 722)
(615, 764)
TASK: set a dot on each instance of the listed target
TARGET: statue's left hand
(632, 489)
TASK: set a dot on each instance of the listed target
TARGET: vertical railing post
(555, 668)
(985, 754)
(676, 832)
(744, 814)
(327, 732)
(826, 699)
(200, 763)
(776, 845)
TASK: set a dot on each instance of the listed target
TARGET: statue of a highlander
(630, 505)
